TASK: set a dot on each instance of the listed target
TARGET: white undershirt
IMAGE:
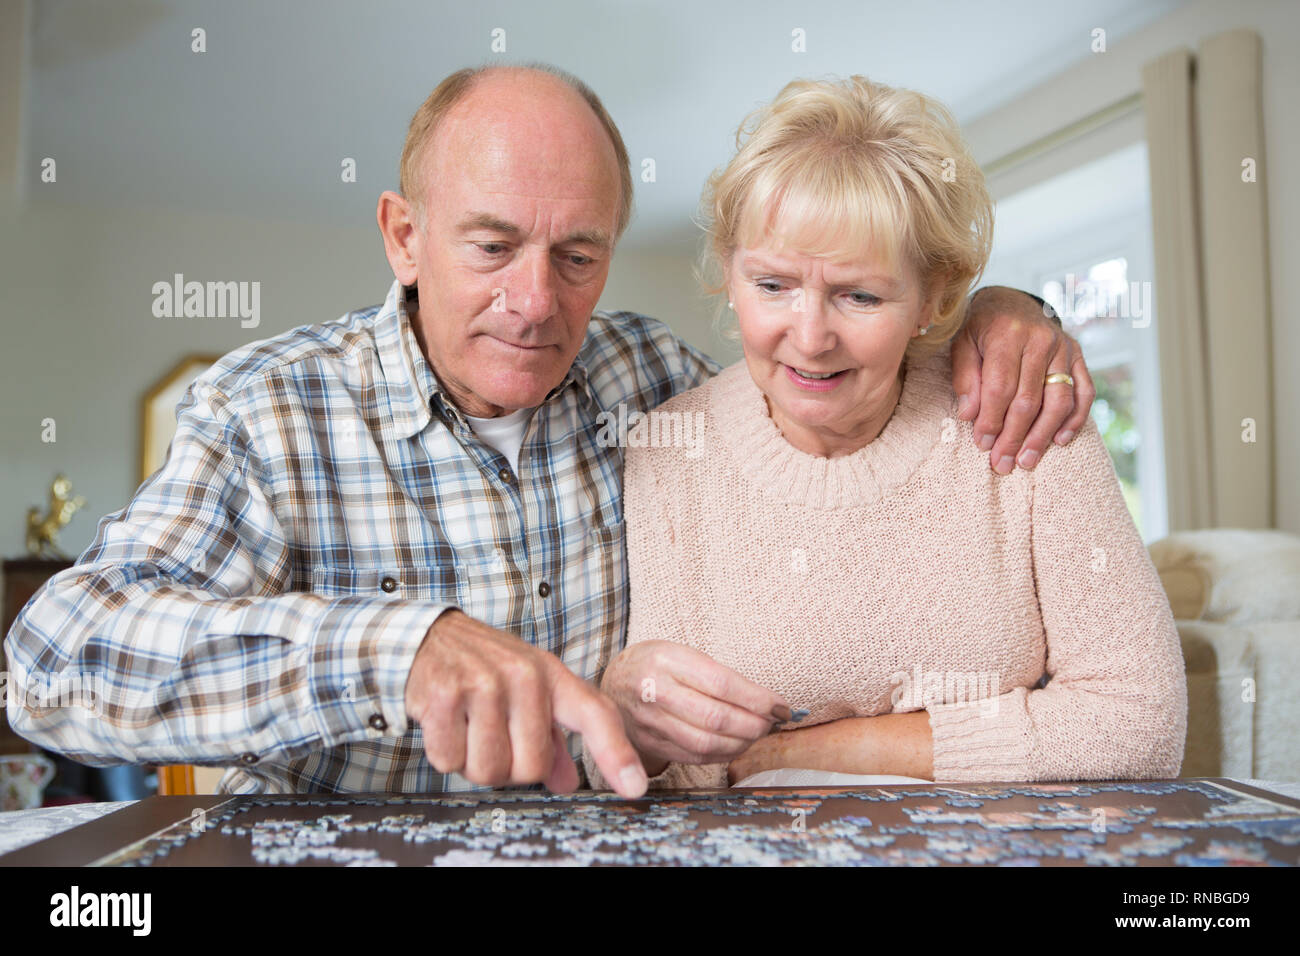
(505, 433)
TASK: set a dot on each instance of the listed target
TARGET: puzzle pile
(1165, 823)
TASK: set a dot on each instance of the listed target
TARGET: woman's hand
(765, 754)
(681, 705)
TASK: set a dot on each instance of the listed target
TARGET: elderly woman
(835, 541)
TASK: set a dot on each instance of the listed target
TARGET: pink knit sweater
(909, 576)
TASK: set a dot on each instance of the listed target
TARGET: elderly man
(395, 536)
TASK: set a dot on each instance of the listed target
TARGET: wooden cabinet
(22, 579)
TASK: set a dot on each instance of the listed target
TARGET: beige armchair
(1235, 595)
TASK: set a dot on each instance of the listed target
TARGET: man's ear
(402, 236)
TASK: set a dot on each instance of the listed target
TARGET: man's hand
(488, 705)
(681, 705)
(1000, 361)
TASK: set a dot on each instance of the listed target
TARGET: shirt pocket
(595, 584)
(286, 620)
(397, 583)
(492, 589)
(602, 568)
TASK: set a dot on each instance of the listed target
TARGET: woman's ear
(726, 283)
(938, 285)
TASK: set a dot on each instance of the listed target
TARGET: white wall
(81, 345)
(1111, 76)
(663, 285)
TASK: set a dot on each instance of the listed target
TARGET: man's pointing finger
(580, 709)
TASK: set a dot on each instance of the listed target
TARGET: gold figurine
(43, 532)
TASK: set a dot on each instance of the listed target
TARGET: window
(1082, 241)
(1107, 314)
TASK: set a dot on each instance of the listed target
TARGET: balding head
(501, 96)
(512, 211)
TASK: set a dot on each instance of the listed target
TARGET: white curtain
(1205, 137)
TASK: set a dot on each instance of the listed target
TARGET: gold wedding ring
(1060, 378)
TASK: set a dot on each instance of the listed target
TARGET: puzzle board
(1183, 822)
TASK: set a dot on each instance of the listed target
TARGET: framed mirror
(157, 426)
(158, 410)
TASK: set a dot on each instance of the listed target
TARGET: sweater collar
(860, 479)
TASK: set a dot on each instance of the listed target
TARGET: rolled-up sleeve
(176, 637)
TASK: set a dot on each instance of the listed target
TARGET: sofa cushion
(1230, 575)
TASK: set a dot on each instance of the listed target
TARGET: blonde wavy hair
(840, 167)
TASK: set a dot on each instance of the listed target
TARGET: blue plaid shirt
(259, 602)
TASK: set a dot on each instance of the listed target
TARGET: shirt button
(506, 476)
(377, 721)
(248, 759)
(389, 585)
(544, 589)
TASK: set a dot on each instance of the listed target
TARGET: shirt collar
(413, 389)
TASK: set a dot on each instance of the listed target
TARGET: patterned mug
(22, 780)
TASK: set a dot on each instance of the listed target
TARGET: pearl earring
(731, 306)
(923, 330)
